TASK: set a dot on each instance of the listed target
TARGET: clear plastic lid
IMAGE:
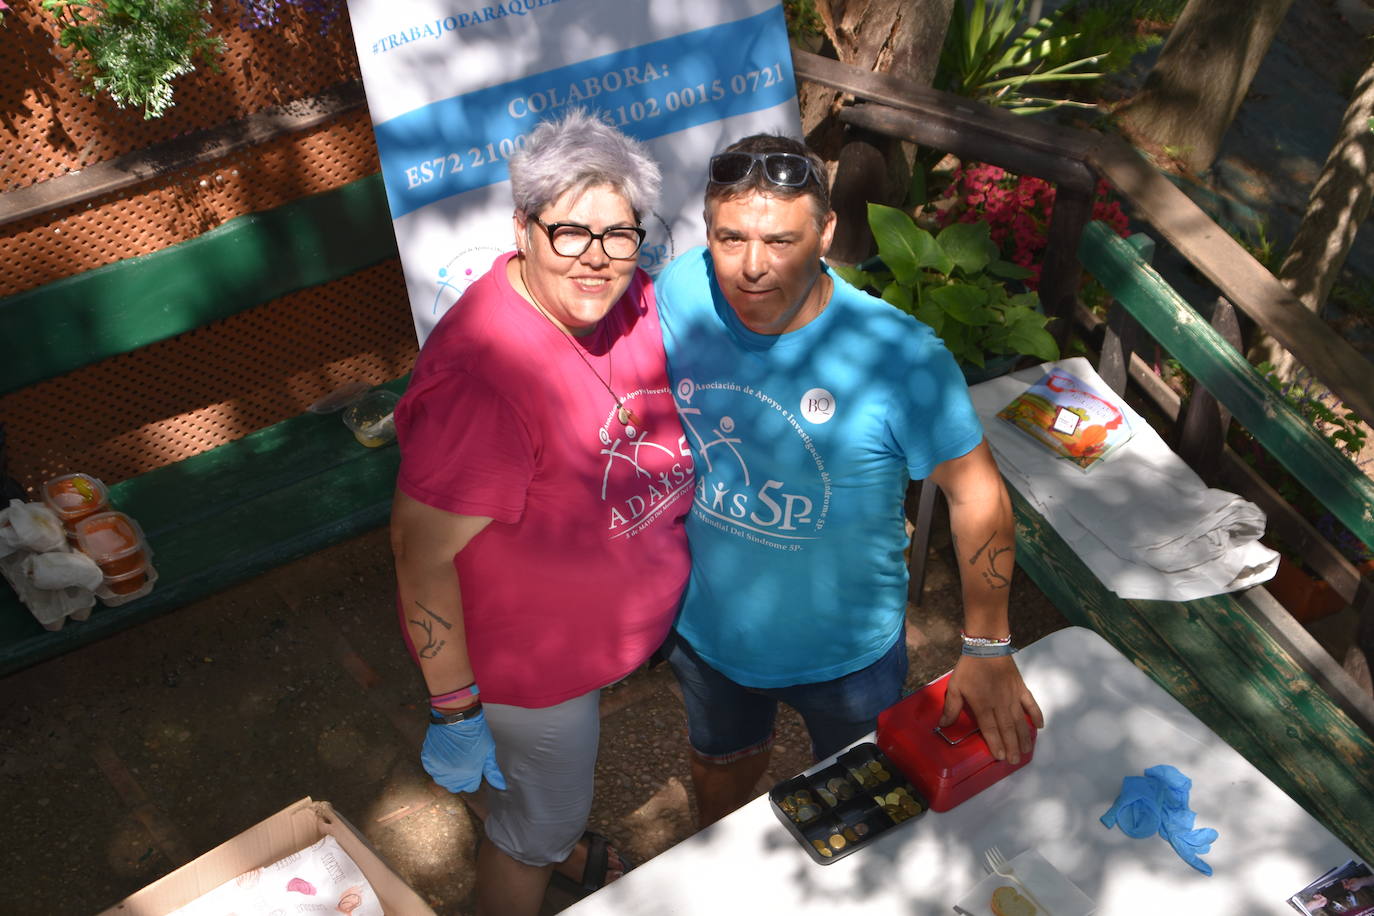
(73, 496)
(109, 536)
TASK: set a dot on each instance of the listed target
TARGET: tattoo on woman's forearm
(979, 552)
(432, 645)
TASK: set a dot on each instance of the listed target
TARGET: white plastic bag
(51, 607)
(33, 526)
(61, 569)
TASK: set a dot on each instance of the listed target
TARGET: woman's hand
(460, 755)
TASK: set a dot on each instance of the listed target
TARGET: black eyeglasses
(620, 243)
(788, 170)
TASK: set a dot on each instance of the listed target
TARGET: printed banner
(454, 89)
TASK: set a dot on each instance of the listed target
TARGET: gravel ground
(122, 760)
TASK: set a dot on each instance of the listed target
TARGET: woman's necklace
(625, 415)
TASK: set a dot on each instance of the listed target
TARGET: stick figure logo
(457, 275)
(685, 390)
(636, 440)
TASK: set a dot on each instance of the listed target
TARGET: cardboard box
(285, 832)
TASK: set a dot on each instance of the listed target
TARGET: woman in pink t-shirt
(538, 519)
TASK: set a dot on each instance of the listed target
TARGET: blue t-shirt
(803, 443)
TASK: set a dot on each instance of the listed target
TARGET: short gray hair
(580, 151)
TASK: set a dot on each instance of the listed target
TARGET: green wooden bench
(278, 493)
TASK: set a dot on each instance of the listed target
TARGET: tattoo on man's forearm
(992, 576)
(979, 552)
(432, 645)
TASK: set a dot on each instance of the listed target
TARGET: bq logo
(817, 405)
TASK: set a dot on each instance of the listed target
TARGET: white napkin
(1057, 894)
(1141, 519)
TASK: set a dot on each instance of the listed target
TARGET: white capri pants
(548, 757)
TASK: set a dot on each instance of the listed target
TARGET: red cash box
(948, 765)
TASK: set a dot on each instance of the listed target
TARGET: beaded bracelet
(462, 693)
(984, 640)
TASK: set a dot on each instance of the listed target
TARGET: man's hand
(999, 702)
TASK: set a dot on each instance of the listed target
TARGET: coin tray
(844, 806)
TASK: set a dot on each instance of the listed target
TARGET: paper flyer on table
(1347, 890)
(1070, 417)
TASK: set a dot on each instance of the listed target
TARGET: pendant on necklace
(626, 416)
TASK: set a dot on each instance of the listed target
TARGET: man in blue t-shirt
(808, 406)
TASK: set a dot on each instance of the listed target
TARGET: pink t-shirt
(577, 579)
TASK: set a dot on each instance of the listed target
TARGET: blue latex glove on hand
(1158, 802)
(458, 756)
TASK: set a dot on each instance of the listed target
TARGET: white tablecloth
(1106, 720)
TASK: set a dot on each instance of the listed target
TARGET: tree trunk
(888, 36)
(1339, 204)
(1204, 70)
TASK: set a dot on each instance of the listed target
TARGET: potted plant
(956, 283)
(134, 49)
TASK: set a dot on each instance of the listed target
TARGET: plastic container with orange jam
(116, 543)
(74, 497)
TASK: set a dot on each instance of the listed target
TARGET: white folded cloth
(1141, 519)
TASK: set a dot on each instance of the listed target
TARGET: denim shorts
(727, 721)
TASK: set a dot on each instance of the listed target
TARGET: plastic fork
(998, 865)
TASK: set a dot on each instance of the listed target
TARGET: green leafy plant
(955, 283)
(1114, 31)
(1343, 431)
(989, 55)
(1342, 428)
(1260, 246)
(803, 22)
(134, 49)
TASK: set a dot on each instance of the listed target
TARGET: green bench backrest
(1217, 366)
(246, 262)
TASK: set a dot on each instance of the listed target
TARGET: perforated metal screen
(48, 127)
(149, 408)
(184, 205)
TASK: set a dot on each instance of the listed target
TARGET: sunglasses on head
(787, 170)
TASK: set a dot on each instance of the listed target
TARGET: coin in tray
(836, 810)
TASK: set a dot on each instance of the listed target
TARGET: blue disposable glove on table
(460, 755)
(1158, 803)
